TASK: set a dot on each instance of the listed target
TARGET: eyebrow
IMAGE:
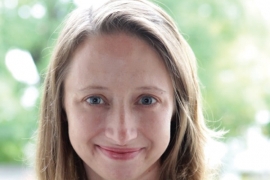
(93, 87)
(151, 88)
(105, 88)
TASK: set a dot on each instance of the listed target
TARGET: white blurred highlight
(87, 3)
(29, 97)
(22, 67)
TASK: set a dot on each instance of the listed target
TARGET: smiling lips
(120, 153)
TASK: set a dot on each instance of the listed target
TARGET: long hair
(184, 159)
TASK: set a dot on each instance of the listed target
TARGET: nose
(121, 126)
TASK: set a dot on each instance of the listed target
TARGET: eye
(95, 100)
(147, 100)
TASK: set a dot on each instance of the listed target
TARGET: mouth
(119, 153)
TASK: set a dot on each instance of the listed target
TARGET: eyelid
(150, 96)
(96, 96)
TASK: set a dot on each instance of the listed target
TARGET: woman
(121, 99)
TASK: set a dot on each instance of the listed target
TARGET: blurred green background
(231, 41)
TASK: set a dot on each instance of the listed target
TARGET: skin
(118, 97)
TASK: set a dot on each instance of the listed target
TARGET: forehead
(116, 43)
(115, 58)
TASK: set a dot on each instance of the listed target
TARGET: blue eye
(147, 100)
(95, 100)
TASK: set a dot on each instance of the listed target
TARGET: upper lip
(120, 150)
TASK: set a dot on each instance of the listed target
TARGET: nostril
(121, 135)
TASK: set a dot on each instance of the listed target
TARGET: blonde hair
(184, 157)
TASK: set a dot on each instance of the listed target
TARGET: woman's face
(118, 98)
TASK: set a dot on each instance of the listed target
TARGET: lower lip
(119, 155)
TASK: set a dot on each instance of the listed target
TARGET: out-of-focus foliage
(230, 39)
(22, 27)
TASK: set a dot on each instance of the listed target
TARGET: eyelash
(93, 101)
(97, 100)
(152, 101)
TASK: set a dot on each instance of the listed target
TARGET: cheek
(82, 126)
(158, 126)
